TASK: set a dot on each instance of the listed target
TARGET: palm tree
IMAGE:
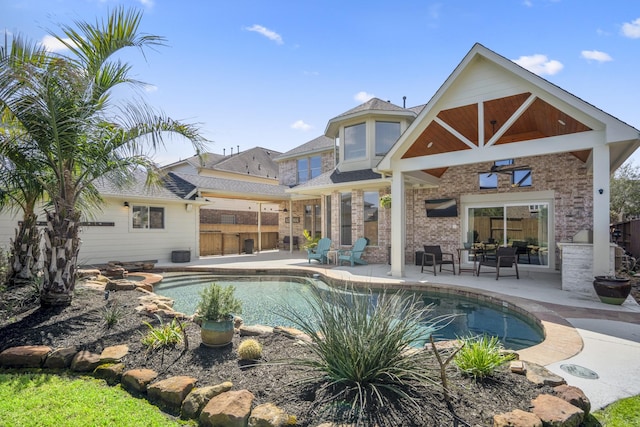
(75, 135)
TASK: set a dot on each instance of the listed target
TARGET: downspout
(290, 226)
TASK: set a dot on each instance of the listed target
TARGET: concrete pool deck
(579, 329)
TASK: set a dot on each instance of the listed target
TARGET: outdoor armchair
(353, 255)
(319, 253)
(506, 257)
(433, 256)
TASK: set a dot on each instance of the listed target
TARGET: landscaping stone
(575, 396)
(555, 412)
(120, 285)
(269, 415)
(137, 380)
(255, 330)
(517, 418)
(60, 358)
(171, 392)
(540, 376)
(110, 372)
(199, 397)
(114, 353)
(518, 367)
(26, 356)
(85, 361)
(287, 331)
(229, 409)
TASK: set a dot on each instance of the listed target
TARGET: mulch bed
(82, 325)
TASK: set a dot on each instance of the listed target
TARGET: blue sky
(273, 73)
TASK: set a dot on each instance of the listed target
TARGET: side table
(472, 251)
(332, 257)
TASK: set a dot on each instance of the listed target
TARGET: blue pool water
(264, 296)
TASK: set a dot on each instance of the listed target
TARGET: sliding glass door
(525, 226)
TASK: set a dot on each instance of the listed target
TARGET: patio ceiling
(507, 120)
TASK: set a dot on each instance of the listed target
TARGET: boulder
(229, 409)
(137, 380)
(555, 412)
(171, 392)
(287, 331)
(26, 356)
(199, 397)
(518, 367)
(85, 361)
(575, 396)
(60, 358)
(114, 353)
(110, 372)
(540, 376)
(517, 418)
(255, 330)
(269, 415)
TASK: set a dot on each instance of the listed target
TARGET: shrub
(361, 351)
(480, 356)
(166, 335)
(218, 303)
(250, 350)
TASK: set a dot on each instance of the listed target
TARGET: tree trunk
(62, 245)
(25, 251)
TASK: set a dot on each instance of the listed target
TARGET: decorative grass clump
(480, 356)
(362, 353)
(112, 314)
(250, 350)
(165, 335)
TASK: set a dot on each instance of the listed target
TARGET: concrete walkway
(580, 331)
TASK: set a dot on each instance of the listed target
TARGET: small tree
(625, 193)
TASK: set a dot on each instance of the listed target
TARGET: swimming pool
(264, 296)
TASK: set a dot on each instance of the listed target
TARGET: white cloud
(52, 44)
(631, 29)
(311, 73)
(271, 35)
(147, 3)
(540, 64)
(150, 88)
(527, 3)
(301, 125)
(596, 55)
(363, 96)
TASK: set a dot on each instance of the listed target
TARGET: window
(227, 219)
(371, 217)
(345, 219)
(309, 168)
(312, 219)
(521, 178)
(505, 162)
(488, 180)
(387, 133)
(145, 217)
(355, 142)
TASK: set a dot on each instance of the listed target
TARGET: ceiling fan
(505, 169)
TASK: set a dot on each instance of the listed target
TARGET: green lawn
(29, 399)
(623, 413)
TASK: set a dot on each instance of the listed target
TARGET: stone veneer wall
(567, 176)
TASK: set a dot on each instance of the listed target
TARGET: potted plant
(612, 289)
(385, 201)
(215, 312)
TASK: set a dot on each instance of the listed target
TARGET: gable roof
(451, 129)
(172, 188)
(316, 145)
(256, 161)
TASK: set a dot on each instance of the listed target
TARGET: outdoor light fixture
(600, 190)
(126, 204)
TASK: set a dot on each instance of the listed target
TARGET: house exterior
(497, 155)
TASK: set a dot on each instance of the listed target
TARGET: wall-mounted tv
(441, 208)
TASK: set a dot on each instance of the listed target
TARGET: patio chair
(353, 255)
(521, 249)
(286, 240)
(505, 258)
(319, 253)
(433, 256)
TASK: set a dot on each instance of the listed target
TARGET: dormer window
(355, 142)
(387, 133)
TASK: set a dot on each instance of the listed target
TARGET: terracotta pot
(612, 290)
(216, 333)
